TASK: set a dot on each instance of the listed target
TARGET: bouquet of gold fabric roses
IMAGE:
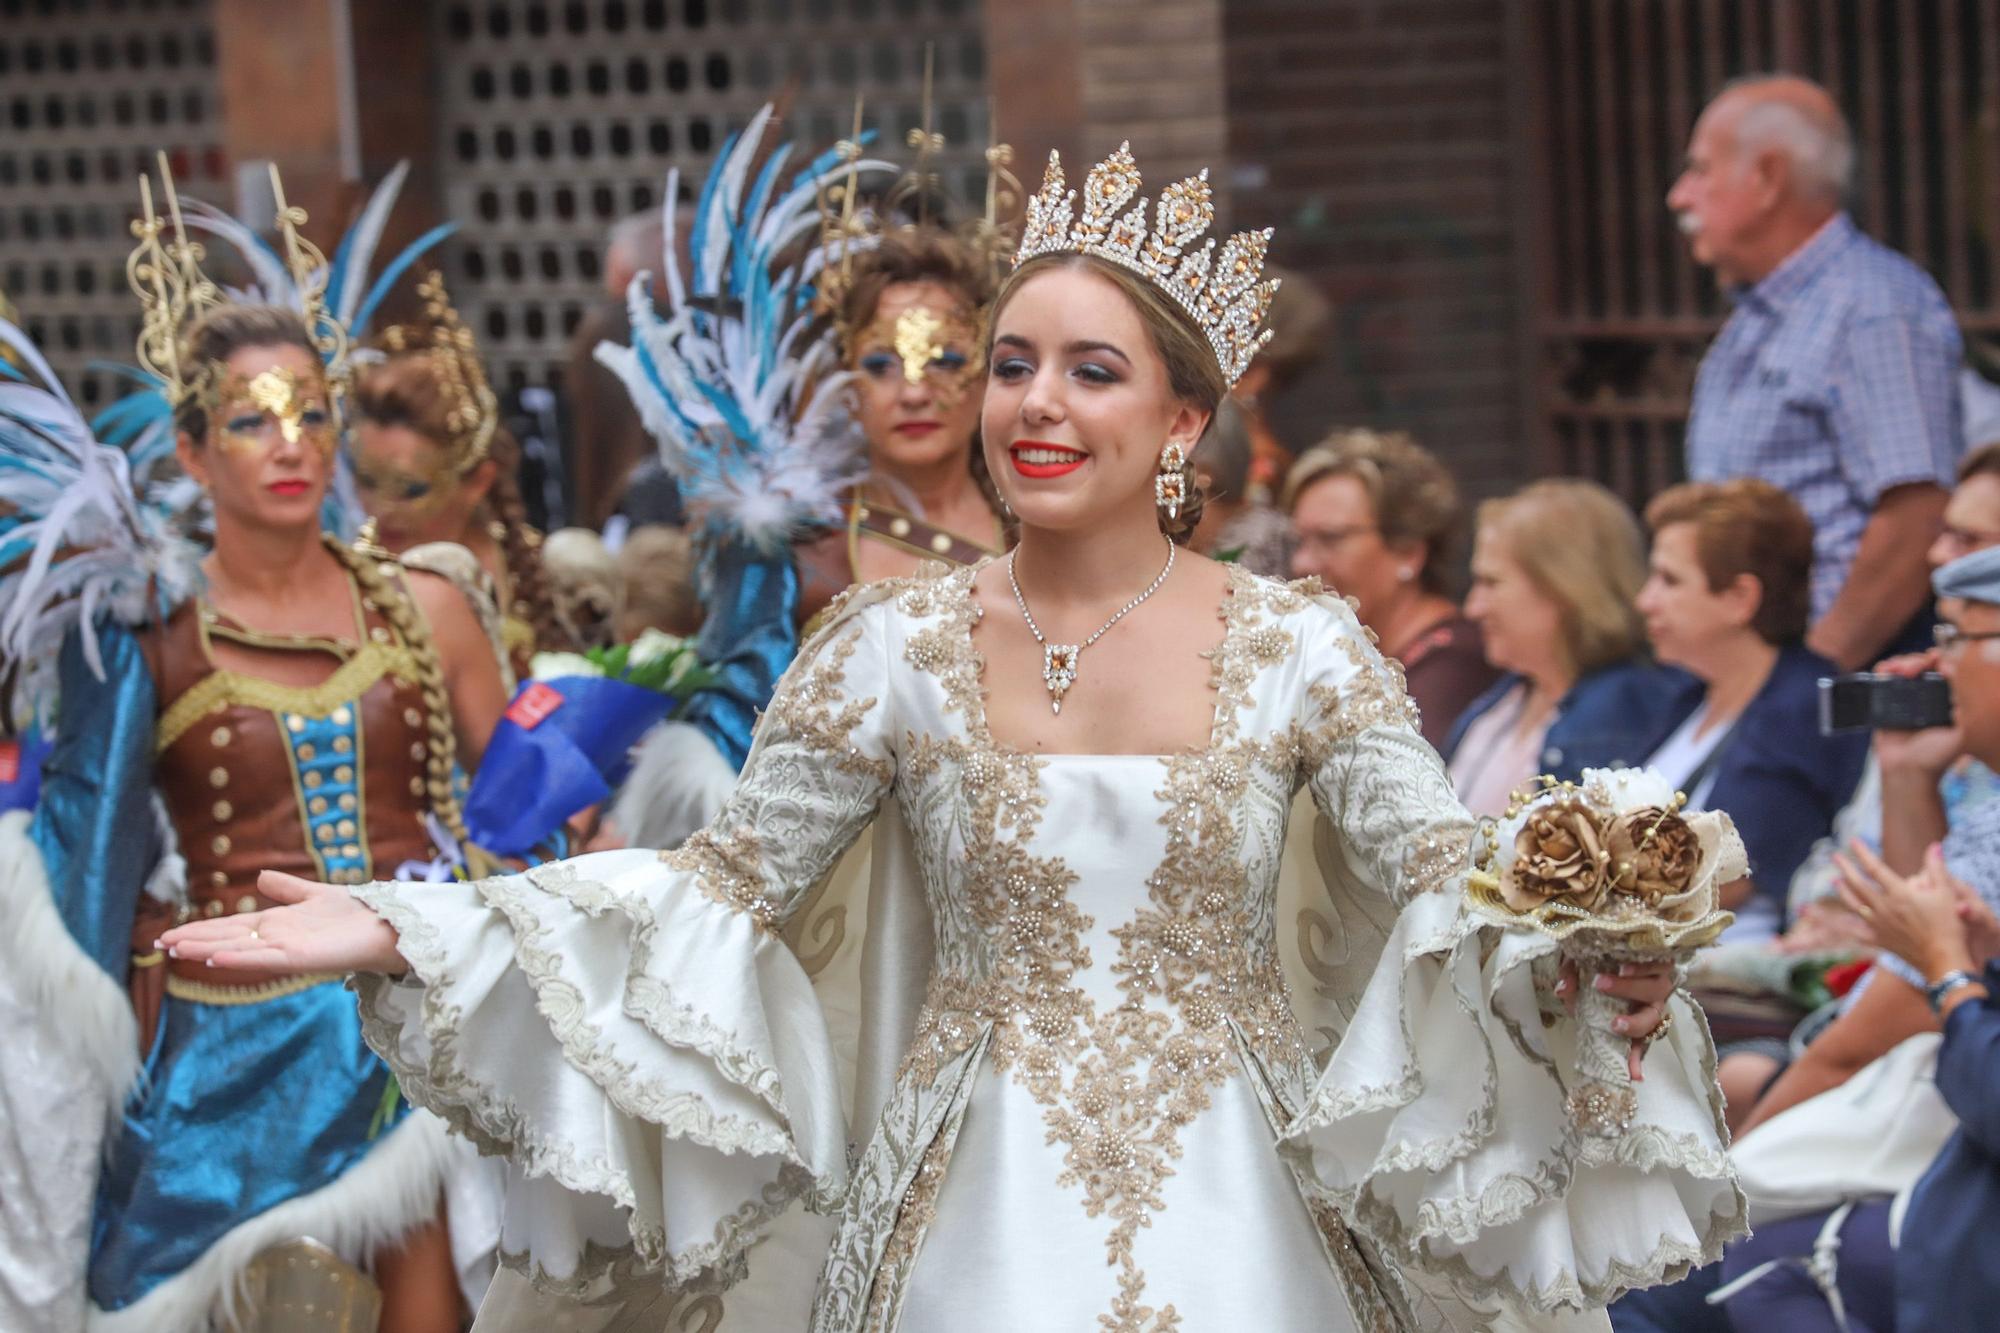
(1615, 870)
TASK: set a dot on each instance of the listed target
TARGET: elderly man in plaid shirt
(1835, 377)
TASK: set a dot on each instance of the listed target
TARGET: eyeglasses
(1948, 636)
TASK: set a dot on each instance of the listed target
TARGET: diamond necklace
(1059, 660)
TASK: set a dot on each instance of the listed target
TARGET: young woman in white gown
(1115, 1106)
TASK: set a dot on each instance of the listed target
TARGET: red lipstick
(1041, 461)
(289, 488)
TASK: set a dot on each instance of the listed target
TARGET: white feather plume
(746, 404)
(78, 538)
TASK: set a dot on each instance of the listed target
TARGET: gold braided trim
(219, 689)
(381, 579)
(145, 960)
(203, 992)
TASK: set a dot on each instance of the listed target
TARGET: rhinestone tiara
(1222, 294)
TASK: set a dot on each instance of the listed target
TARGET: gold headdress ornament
(845, 222)
(12, 316)
(1224, 295)
(916, 186)
(174, 293)
(471, 410)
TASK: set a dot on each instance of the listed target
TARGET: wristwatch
(1946, 984)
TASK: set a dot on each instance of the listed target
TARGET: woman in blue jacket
(1556, 569)
(1726, 600)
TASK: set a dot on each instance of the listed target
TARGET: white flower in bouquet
(653, 644)
(555, 666)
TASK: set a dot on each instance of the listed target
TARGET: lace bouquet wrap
(1614, 870)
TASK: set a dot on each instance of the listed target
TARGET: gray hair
(1819, 148)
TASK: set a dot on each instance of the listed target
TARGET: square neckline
(1230, 610)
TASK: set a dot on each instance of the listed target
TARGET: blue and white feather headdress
(744, 397)
(336, 300)
(80, 536)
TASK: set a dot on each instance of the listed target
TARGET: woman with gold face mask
(432, 463)
(911, 321)
(294, 701)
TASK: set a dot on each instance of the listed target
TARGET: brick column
(1153, 73)
(334, 92)
(1082, 75)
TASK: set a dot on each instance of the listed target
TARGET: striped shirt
(1834, 379)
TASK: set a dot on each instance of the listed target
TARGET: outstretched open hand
(321, 928)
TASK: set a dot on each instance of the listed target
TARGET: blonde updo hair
(1193, 374)
(1581, 547)
(1411, 493)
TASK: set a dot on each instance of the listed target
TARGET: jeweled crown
(1226, 294)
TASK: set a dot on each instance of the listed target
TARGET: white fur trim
(392, 1190)
(169, 881)
(57, 977)
(679, 780)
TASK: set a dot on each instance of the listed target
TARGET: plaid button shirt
(1836, 379)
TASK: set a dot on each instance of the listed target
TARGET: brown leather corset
(325, 781)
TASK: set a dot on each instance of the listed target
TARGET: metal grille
(88, 89)
(1610, 90)
(559, 119)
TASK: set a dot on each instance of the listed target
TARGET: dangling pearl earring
(1170, 486)
(1405, 574)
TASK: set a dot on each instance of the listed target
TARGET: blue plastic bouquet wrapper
(539, 770)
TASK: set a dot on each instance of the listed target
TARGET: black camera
(1869, 701)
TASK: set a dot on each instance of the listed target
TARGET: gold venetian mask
(247, 407)
(385, 487)
(923, 342)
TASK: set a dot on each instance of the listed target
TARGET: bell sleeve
(629, 1027)
(1439, 1125)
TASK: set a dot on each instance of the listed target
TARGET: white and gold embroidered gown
(1106, 1111)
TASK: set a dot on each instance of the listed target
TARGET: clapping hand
(320, 928)
(1929, 919)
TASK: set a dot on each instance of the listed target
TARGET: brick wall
(1153, 72)
(1373, 134)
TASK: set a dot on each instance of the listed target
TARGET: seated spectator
(656, 569)
(1727, 601)
(1556, 569)
(1935, 787)
(1940, 1280)
(1233, 526)
(1378, 519)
